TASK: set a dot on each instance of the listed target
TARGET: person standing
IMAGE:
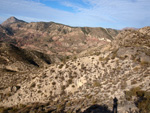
(115, 105)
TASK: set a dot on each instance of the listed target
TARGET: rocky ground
(55, 81)
(88, 84)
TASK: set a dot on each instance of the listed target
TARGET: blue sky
(92, 13)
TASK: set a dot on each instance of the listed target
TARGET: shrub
(33, 85)
(67, 65)
(75, 58)
(101, 58)
(60, 107)
(39, 91)
(60, 66)
(89, 96)
(136, 68)
(53, 83)
(73, 86)
(52, 70)
(146, 75)
(2, 110)
(70, 81)
(67, 57)
(114, 55)
(144, 63)
(143, 102)
(63, 87)
(83, 67)
(96, 84)
(143, 99)
(131, 92)
(133, 82)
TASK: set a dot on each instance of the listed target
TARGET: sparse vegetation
(33, 85)
(61, 65)
(53, 83)
(144, 63)
(132, 92)
(93, 76)
(96, 84)
(143, 99)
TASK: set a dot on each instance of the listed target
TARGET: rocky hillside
(120, 69)
(5, 34)
(54, 38)
(12, 20)
(17, 63)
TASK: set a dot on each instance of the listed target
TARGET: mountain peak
(10, 21)
(12, 18)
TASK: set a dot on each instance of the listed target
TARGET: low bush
(143, 99)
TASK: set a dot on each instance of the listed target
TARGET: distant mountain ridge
(54, 38)
(11, 20)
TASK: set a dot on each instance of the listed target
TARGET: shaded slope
(17, 63)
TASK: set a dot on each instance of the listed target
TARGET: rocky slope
(11, 20)
(54, 38)
(120, 69)
(17, 63)
(5, 34)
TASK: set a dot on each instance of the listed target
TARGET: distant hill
(11, 20)
(54, 38)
